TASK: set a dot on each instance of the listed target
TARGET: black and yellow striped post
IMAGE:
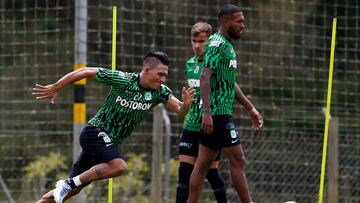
(80, 61)
(79, 116)
(79, 111)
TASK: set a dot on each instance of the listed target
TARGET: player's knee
(119, 167)
(242, 161)
(206, 164)
(185, 170)
(239, 162)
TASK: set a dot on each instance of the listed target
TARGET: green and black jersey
(193, 69)
(221, 58)
(127, 103)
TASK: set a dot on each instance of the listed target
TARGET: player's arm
(243, 100)
(51, 90)
(207, 122)
(179, 107)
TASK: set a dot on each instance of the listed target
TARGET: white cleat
(61, 190)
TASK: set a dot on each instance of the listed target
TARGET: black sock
(182, 188)
(217, 185)
(70, 182)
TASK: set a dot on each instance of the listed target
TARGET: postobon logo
(133, 104)
(193, 83)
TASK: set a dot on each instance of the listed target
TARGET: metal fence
(283, 66)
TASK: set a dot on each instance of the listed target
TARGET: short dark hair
(200, 27)
(228, 9)
(161, 56)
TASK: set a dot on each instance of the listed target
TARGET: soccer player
(131, 97)
(218, 91)
(189, 141)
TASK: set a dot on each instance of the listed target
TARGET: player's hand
(257, 120)
(207, 123)
(44, 92)
(188, 95)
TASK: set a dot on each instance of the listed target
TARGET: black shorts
(97, 147)
(189, 144)
(225, 133)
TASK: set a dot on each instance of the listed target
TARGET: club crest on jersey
(148, 96)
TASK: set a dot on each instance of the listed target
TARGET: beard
(233, 34)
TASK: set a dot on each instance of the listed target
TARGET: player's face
(236, 25)
(198, 44)
(156, 76)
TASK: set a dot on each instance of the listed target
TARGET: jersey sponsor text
(133, 104)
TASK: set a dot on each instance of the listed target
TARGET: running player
(131, 97)
(218, 90)
(189, 141)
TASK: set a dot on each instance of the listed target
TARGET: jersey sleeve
(113, 78)
(213, 54)
(165, 94)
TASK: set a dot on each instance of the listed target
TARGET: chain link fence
(283, 67)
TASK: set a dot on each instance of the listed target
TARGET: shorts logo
(234, 136)
(106, 138)
(185, 144)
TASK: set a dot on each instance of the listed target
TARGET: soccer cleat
(61, 190)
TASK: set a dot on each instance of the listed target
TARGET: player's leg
(111, 169)
(217, 184)
(185, 168)
(237, 160)
(205, 159)
(188, 151)
(231, 147)
(49, 198)
(100, 159)
(67, 188)
(83, 163)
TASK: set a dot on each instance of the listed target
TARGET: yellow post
(113, 53)
(113, 65)
(327, 117)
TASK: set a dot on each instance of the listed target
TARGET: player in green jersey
(131, 97)
(218, 91)
(189, 141)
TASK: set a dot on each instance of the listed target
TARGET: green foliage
(41, 170)
(44, 165)
(127, 188)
